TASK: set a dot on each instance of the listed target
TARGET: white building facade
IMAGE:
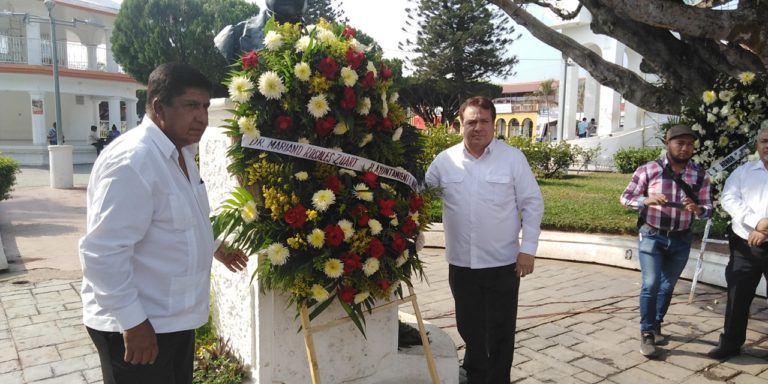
(93, 91)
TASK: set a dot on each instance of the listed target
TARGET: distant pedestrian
(592, 128)
(669, 192)
(95, 140)
(581, 128)
(113, 134)
(52, 139)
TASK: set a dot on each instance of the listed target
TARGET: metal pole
(59, 128)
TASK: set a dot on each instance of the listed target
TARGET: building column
(567, 99)
(609, 115)
(37, 111)
(114, 112)
(92, 58)
(131, 120)
(591, 97)
(34, 47)
(633, 115)
(111, 64)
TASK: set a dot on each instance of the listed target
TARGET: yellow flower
(340, 128)
(271, 85)
(318, 106)
(348, 76)
(723, 141)
(295, 242)
(360, 297)
(240, 89)
(366, 139)
(333, 268)
(319, 293)
(364, 106)
(302, 71)
(316, 238)
(746, 77)
(247, 126)
(311, 214)
(372, 68)
(732, 122)
(709, 97)
(319, 84)
(249, 212)
(370, 266)
(323, 199)
(363, 193)
(277, 253)
(301, 176)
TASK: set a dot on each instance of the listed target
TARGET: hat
(680, 130)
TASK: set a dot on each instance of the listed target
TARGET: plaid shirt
(649, 179)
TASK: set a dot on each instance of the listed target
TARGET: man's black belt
(668, 232)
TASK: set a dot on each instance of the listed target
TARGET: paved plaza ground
(578, 323)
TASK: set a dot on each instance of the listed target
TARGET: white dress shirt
(484, 200)
(745, 197)
(148, 247)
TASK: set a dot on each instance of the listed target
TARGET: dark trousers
(172, 366)
(745, 266)
(486, 317)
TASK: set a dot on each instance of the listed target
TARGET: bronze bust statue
(247, 35)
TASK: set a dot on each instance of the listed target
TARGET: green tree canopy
(148, 33)
(325, 9)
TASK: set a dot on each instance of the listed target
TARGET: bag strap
(682, 184)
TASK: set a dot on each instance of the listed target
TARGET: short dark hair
(480, 102)
(171, 80)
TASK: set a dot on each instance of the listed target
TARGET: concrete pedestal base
(61, 166)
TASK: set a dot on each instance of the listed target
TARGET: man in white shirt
(489, 193)
(147, 253)
(744, 198)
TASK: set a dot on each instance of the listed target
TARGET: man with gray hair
(744, 198)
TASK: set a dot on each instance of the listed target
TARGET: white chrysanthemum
(372, 68)
(271, 85)
(340, 128)
(384, 105)
(711, 118)
(345, 171)
(364, 106)
(394, 222)
(278, 253)
(723, 141)
(725, 95)
(402, 259)
(366, 139)
(318, 106)
(302, 44)
(348, 76)
(273, 41)
(371, 266)
(240, 89)
(357, 46)
(709, 97)
(414, 216)
(323, 199)
(732, 122)
(337, 149)
(394, 97)
(333, 268)
(325, 35)
(725, 111)
(316, 238)
(764, 124)
(302, 140)
(302, 71)
(375, 226)
(362, 296)
(363, 193)
(697, 128)
(319, 293)
(247, 126)
(746, 77)
(249, 212)
(397, 134)
(301, 176)
(347, 228)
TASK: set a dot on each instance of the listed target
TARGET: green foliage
(437, 139)
(8, 170)
(547, 159)
(423, 95)
(317, 9)
(627, 160)
(148, 33)
(215, 363)
(585, 156)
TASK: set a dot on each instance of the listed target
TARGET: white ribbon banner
(329, 156)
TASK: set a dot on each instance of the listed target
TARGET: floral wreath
(727, 117)
(322, 231)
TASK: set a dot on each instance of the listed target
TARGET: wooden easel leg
(424, 338)
(309, 344)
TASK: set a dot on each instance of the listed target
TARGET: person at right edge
(489, 194)
(669, 192)
(744, 198)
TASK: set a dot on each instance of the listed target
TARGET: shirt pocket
(498, 189)
(452, 187)
(187, 292)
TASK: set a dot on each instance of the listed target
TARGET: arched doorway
(500, 127)
(514, 127)
(527, 128)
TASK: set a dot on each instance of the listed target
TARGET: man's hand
(524, 264)
(141, 344)
(234, 259)
(692, 207)
(655, 200)
(756, 238)
(762, 225)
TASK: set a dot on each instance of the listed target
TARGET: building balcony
(71, 55)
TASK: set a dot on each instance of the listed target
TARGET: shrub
(437, 139)
(628, 159)
(586, 155)
(214, 361)
(8, 170)
(547, 160)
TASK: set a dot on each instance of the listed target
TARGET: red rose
(296, 216)
(376, 248)
(383, 284)
(328, 67)
(349, 32)
(385, 207)
(386, 73)
(370, 120)
(351, 262)
(370, 179)
(368, 80)
(349, 101)
(333, 235)
(398, 243)
(354, 59)
(416, 202)
(386, 123)
(361, 213)
(284, 122)
(325, 125)
(409, 228)
(250, 60)
(333, 183)
(347, 294)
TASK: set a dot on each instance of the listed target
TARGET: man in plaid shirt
(666, 212)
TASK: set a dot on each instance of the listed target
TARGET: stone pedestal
(61, 168)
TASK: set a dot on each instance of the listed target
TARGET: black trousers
(172, 366)
(486, 318)
(745, 267)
